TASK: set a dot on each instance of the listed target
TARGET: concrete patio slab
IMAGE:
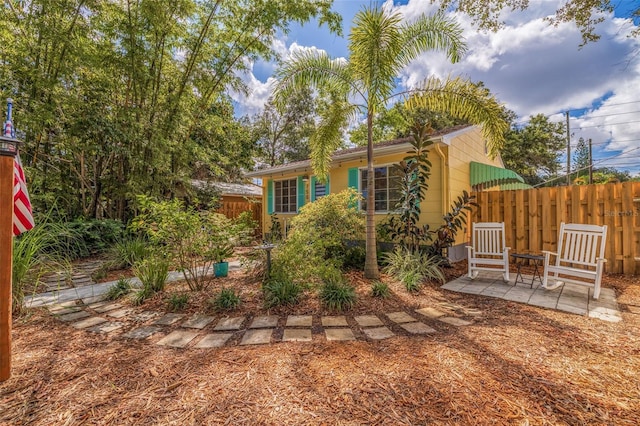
(400, 317)
(106, 327)
(339, 334)
(88, 322)
(299, 321)
(178, 338)
(297, 335)
(168, 319)
(142, 332)
(418, 328)
(368, 321)
(378, 333)
(228, 324)
(571, 298)
(119, 313)
(267, 321)
(214, 340)
(257, 337)
(108, 307)
(198, 321)
(334, 321)
(75, 316)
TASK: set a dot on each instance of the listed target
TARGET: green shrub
(280, 291)
(37, 252)
(412, 268)
(125, 253)
(177, 302)
(318, 233)
(119, 289)
(380, 289)
(96, 236)
(338, 295)
(153, 273)
(193, 239)
(226, 300)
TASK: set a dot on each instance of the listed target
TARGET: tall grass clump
(336, 293)
(152, 273)
(37, 252)
(412, 268)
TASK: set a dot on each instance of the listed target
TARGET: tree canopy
(125, 98)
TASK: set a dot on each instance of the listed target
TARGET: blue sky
(530, 66)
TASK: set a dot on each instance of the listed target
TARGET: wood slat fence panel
(532, 218)
(233, 209)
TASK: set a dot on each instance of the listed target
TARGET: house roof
(387, 147)
(227, 188)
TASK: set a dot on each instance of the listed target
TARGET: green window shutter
(301, 192)
(313, 188)
(269, 196)
(353, 175)
(327, 191)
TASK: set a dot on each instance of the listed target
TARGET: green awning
(484, 176)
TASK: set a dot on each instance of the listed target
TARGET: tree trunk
(371, 259)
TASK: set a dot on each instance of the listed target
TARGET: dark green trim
(270, 196)
(300, 188)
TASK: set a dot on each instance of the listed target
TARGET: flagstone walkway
(84, 308)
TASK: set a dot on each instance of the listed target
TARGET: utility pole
(590, 164)
(568, 151)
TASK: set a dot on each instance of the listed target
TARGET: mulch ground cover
(516, 364)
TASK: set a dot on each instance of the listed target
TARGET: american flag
(22, 213)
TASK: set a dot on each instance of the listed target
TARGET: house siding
(460, 149)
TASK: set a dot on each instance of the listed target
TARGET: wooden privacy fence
(532, 218)
(233, 209)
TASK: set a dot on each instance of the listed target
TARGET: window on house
(285, 200)
(320, 189)
(387, 187)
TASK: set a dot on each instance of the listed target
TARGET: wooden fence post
(6, 247)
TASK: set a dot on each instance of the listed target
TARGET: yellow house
(288, 187)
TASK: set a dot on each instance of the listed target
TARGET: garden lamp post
(8, 151)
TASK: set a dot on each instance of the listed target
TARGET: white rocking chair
(488, 251)
(580, 257)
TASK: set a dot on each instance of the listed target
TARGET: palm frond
(465, 100)
(328, 135)
(310, 69)
(436, 32)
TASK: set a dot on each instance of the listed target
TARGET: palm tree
(380, 46)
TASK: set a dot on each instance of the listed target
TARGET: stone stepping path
(200, 331)
(78, 276)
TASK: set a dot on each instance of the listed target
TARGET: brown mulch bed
(516, 364)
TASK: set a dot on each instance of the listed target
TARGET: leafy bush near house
(226, 300)
(336, 293)
(40, 251)
(195, 240)
(153, 273)
(84, 238)
(412, 268)
(279, 290)
(316, 241)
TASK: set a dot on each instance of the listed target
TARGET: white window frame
(363, 204)
(278, 208)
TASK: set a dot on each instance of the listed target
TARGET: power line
(609, 115)
(608, 124)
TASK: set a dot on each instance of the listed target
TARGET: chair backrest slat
(581, 244)
(488, 238)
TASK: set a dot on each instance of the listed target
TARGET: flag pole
(6, 258)
(8, 151)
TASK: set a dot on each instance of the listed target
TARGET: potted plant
(221, 251)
